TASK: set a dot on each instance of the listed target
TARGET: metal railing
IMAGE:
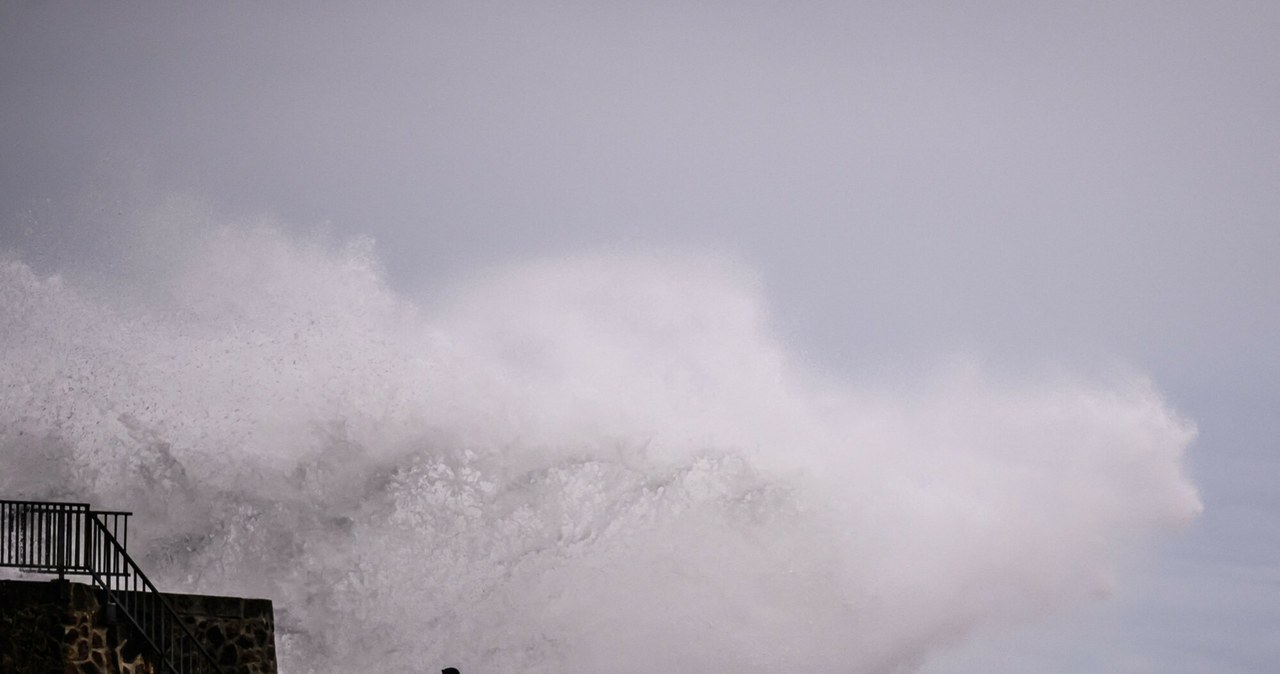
(73, 539)
(44, 537)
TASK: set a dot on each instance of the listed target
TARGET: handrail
(140, 603)
(72, 539)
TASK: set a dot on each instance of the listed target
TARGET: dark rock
(214, 637)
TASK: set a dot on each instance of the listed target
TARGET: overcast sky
(1085, 185)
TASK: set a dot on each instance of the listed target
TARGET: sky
(1082, 187)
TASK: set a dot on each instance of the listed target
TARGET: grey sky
(1077, 185)
(896, 171)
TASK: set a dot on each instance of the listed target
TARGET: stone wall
(59, 627)
(240, 633)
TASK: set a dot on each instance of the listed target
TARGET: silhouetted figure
(450, 670)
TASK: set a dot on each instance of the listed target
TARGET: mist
(605, 462)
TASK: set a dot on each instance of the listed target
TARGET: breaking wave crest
(591, 464)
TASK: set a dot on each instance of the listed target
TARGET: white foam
(602, 463)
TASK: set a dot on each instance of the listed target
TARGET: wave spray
(595, 464)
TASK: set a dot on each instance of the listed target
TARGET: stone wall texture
(240, 633)
(59, 627)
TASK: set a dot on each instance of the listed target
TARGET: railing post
(62, 543)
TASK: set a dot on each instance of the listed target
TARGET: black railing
(72, 539)
(44, 537)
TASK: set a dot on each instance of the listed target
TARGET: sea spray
(586, 464)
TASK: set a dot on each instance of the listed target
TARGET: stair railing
(72, 539)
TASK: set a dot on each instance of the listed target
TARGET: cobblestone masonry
(240, 633)
(60, 628)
